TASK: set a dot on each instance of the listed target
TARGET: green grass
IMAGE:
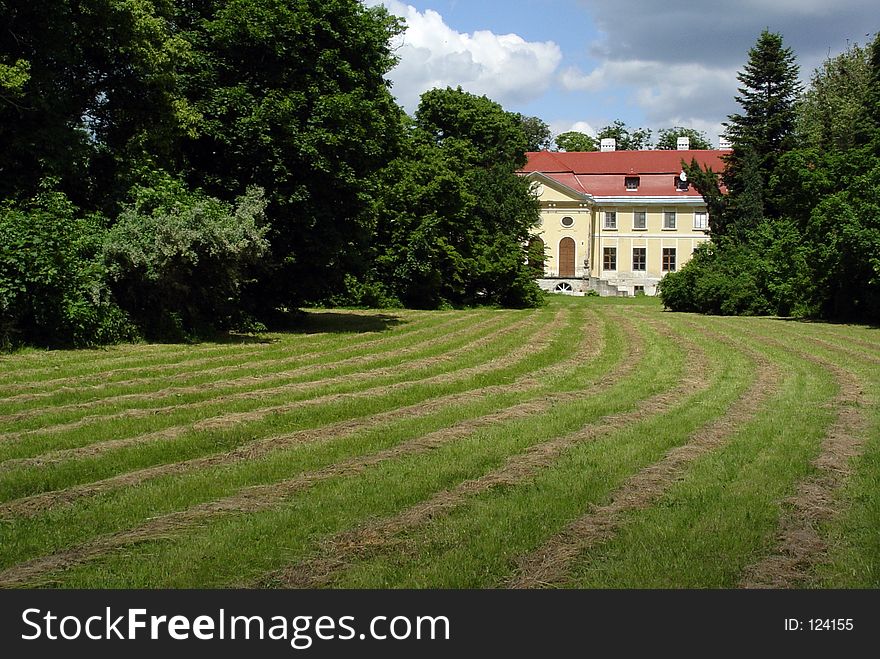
(342, 371)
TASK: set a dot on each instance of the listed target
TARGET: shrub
(717, 281)
(177, 259)
(52, 282)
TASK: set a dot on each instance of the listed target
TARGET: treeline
(630, 139)
(798, 232)
(170, 169)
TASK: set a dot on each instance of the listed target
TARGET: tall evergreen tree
(766, 127)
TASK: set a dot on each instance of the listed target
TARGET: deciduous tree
(667, 138)
(573, 141)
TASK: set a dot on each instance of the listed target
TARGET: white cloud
(668, 94)
(564, 126)
(505, 67)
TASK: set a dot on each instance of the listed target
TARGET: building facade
(617, 221)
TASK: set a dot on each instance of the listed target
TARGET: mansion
(617, 221)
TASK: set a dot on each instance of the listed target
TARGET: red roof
(603, 174)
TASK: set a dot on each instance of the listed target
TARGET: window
(610, 219)
(638, 290)
(669, 220)
(609, 258)
(568, 222)
(669, 259)
(632, 183)
(563, 287)
(701, 220)
(640, 256)
(681, 186)
(640, 220)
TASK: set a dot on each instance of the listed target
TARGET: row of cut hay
(22, 369)
(272, 496)
(318, 370)
(139, 425)
(265, 445)
(511, 372)
(650, 477)
(284, 353)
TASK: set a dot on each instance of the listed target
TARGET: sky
(581, 64)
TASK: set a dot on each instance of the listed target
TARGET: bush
(177, 259)
(52, 282)
(721, 281)
(365, 294)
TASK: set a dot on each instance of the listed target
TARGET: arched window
(563, 287)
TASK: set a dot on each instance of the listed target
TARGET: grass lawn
(591, 443)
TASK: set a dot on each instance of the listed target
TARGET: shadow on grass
(299, 322)
(332, 322)
(819, 321)
(307, 322)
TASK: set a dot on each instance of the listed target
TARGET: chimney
(724, 144)
(608, 144)
(683, 144)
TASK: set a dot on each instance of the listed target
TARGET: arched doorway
(566, 257)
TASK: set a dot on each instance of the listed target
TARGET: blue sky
(580, 64)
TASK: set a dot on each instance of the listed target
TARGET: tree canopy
(768, 97)
(454, 218)
(667, 139)
(537, 132)
(573, 140)
(627, 138)
(799, 231)
(192, 166)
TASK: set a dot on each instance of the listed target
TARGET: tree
(760, 136)
(573, 141)
(494, 136)
(627, 139)
(455, 218)
(52, 281)
(832, 113)
(768, 98)
(538, 136)
(177, 259)
(87, 89)
(667, 139)
(292, 97)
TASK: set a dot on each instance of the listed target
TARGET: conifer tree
(768, 97)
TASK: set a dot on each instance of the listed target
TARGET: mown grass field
(591, 443)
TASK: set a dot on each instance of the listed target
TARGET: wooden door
(566, 257)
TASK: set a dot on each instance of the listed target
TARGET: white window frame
(662, 259)
(644, 267)
(610, 226)
(666, 216)
(641, 228)
(634, 180)
(608, 247)
(705, 224)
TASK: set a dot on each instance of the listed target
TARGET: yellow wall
(558, 202)
(556, 205)
(684, 238)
